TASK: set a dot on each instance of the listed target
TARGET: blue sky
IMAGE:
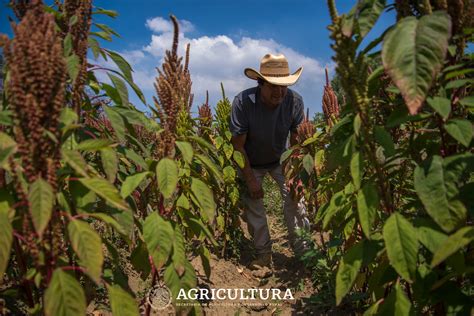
(225, 36)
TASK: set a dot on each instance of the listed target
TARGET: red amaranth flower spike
(306, 129)
(205, 117)
(36, 91)
(330, 103)
(173, 90)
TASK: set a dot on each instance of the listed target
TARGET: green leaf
(167, 176)
(413, 53)
(95, 47)
(133, 116)
(109, 220)
(106, 28)
(460, 130)
(319, 158)
(219, 141)
(203, 195)
(117, 121)
(6, 239)
(367, 205)
(175, 283)
(228, 150)
(87, 244)
(369, 12)
(132, 182)
(384, 138)
(139, 260)
(199, 227)
(137, 90)
(210, 166)
(67, 43)
(121, 87)
(186, 150)
(202, 143)
(311, 139)
(67, 117)
(73, 66)
(357, 169)
(7, 148)
(458, 73)
(122, 303)
(285, 155)
(239, 159)
(372, 310)
(228, 135)
(430, 237)
(431, 188)
(308, 163)
(182, 202)
(402, 245)
(179, 253)
(357, 124)
(347, 25)
(75, 160)
(452, 244)
(396, 303)
(109, 163)
(6, 117)
(158, 234)
(205, 255)
(348, 270)
(136, 158)
(110, 13)
(336, 204)
(103, 35)
(83, 198)
(441, 105)
(458, 83)
(105, 190)
(234, 195)
(229, 174)
(125, 220)
(41, 198)
(64, 296)
(94, 144)
(467, 101)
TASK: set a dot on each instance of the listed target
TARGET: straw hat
(274, 69)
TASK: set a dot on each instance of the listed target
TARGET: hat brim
(279, 81)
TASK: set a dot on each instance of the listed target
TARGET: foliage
(91, 185)
(392, 179)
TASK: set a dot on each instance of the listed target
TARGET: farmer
(261, 119)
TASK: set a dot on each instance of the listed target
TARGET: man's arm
(255, 188)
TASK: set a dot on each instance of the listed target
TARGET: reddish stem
(90, 134)
(17, 235)
(73, 268)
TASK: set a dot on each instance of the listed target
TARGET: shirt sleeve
(238, 119)
(298, 114)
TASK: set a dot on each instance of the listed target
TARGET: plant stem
(21, 263)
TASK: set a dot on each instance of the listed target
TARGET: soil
(288, 273)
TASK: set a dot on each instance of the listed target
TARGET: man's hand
(255, 189)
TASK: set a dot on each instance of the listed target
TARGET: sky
(225, 37)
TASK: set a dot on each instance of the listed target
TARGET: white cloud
(221, 59)
(161, 25)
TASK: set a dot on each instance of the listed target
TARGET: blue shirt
(267, 129)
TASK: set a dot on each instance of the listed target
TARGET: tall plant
(400, 162)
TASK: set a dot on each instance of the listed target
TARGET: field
(106, 209)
